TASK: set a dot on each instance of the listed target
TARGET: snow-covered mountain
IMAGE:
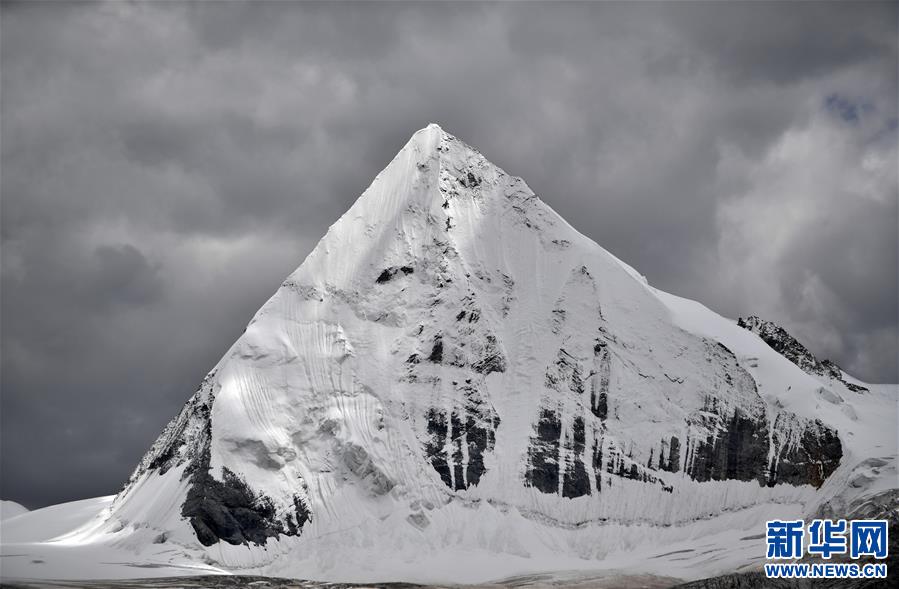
(456, 385)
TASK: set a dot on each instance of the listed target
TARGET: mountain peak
(436, 190)
(427, 138)
(434, 141)
(454, 365)
(433, 170)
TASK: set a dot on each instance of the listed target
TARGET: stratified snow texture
(456, 385)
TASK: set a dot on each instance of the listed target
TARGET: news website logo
(787, 539)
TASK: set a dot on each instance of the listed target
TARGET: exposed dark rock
(545, 463)
(737, 450)
(575, 482)
(466, 345)
(672, 464)
(492, 360)
(810, 461)
(226, 509)
(565, 374)
(830, 368)
(436, 355)
(543, 453)
(229, 510)
(435, 447)
(389, 273)
(479, 440)
(597, 464)
(733, 444)
(599, 383)
(791, 349)
(805, 452)
(473, 427)
(558, 319)
(176, 445)
(457, 456)
(470, 180)
(624, 467)
(674, 457)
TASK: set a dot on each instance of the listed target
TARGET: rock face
(453, 358)
(225, 508)
(790, 348)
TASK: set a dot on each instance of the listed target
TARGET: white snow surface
(321, 381)
(10, 509)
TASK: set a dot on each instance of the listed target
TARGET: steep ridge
(789, 347)
(455, 374)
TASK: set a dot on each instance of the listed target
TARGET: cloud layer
(165, 165)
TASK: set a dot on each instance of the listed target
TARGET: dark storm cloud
(789, 42)
(165, 165)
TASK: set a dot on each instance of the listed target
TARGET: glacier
(456, 386)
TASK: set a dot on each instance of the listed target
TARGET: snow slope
(457, 386)
(49, 522)
(10, 509)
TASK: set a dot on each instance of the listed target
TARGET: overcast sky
(166, 165)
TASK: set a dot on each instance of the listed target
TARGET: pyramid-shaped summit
(455, 375)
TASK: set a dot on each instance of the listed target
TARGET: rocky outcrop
(458, 438)
(722, 441)
(569, 461)
(543, 453)
(805, 451)
(791, 349)
(229, 510)
(736, 446)
(226, 509)
(458, 442)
